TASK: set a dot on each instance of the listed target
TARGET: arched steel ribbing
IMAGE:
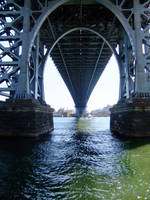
(85, 29)
(52, 6)
(82, 29)
(55, 4)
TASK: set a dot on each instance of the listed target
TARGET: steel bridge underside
(81, 55)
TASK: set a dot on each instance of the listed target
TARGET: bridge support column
(23, 82)
(130, 116)
(25, 118)
(80, 111)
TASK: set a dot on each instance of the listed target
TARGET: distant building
(64, 113)
(105, 112)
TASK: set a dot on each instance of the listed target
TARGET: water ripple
(79, 160)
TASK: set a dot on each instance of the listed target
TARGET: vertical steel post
(126, 64)
(23, 84)
(140, 76)
(41, 72)
(122, 72)
(36, 70)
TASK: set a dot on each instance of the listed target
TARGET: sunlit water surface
(80, 159)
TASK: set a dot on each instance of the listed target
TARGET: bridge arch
(83, 29)
(53, 5)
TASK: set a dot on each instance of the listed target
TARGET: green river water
(80, 160)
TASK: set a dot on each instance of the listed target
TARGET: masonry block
(131, 118)
(25, 118)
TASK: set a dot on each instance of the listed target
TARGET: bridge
(80, 36)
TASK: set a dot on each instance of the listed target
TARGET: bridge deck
(81, 56)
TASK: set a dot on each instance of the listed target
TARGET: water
(81, 159)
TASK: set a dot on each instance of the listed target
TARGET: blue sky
(105, 92)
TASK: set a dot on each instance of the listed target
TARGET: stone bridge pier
(131, 118)
(25, 118)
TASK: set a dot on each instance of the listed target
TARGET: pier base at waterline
(131, 118)
(25, 118)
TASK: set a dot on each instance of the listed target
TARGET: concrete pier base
(25, 118)
(131, 118)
